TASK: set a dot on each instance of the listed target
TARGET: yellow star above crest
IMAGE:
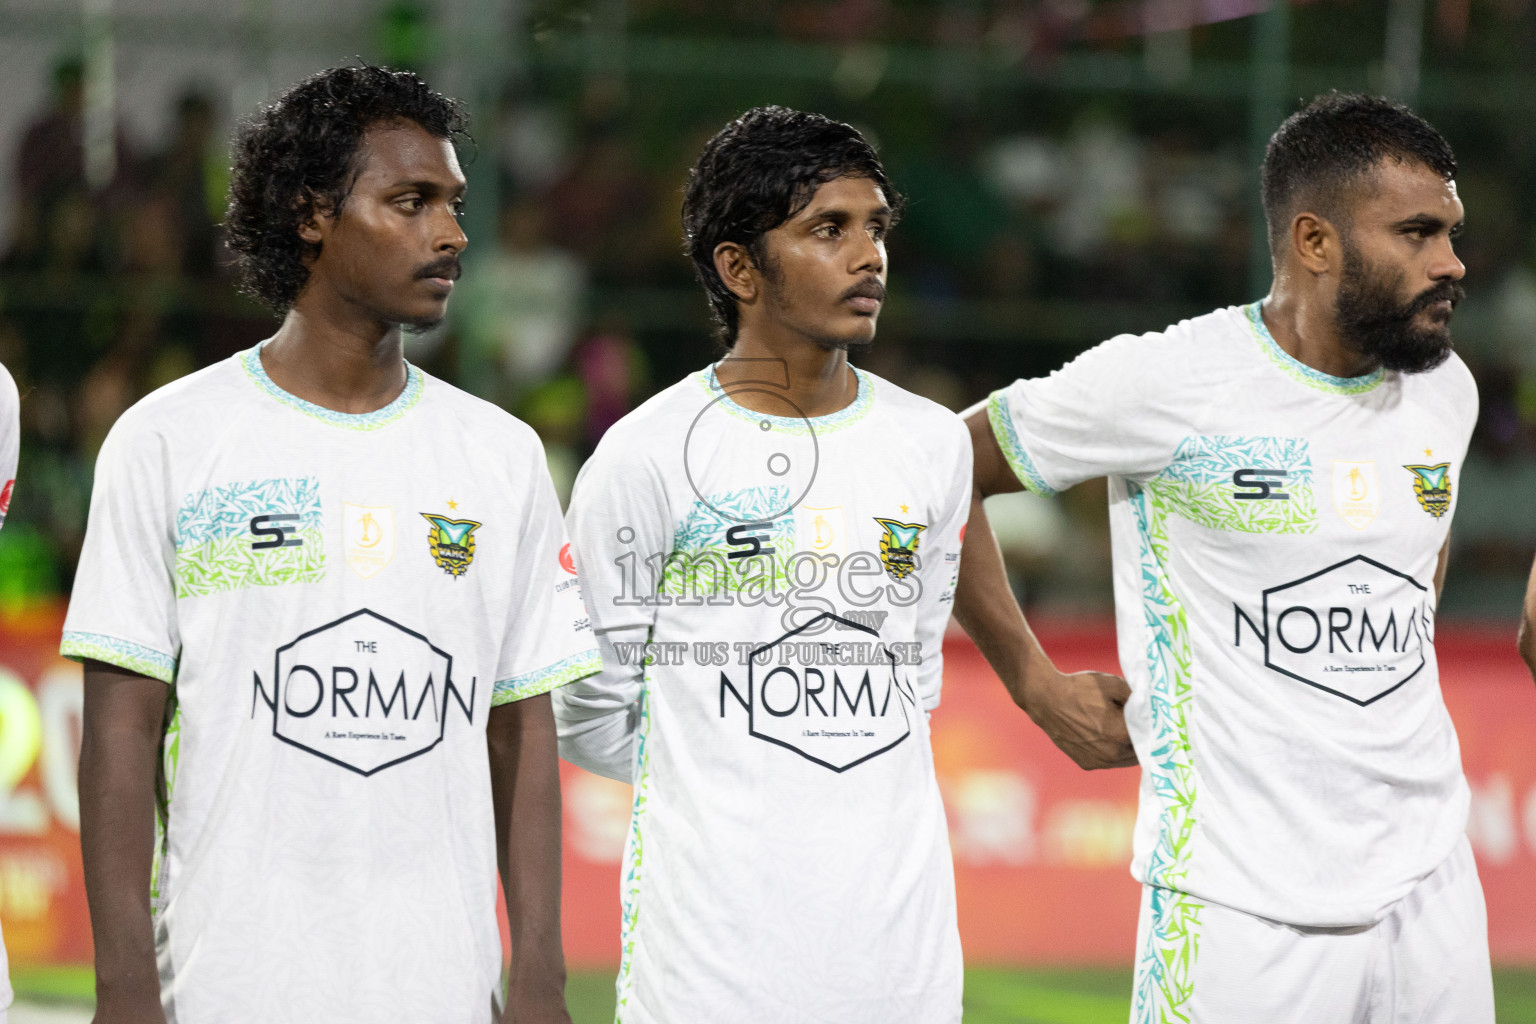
(1429, 453)
(453, 505)
(904, 509)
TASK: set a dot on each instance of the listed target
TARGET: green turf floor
(992, 995)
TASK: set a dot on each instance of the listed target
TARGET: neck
(347, 365)
(1302, 324)
(817, 380)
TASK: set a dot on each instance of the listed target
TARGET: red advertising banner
(1041, 848)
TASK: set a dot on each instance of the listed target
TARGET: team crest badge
(898, 546)
(370, 537)
(452, 543)
(1432, 486)
(1355, 495)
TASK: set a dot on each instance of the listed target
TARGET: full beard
(1374, 323)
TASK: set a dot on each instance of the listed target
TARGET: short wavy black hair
(755, 174)
(1323, 150)
(299, 153)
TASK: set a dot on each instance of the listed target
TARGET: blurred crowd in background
(1041, 221)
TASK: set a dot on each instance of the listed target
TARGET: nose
(1446, 265)
(450, 233)
(869, 258)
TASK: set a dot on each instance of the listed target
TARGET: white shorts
(1426, 962)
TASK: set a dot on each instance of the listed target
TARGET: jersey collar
(847, 416)
(250, 361)
(1301, 372)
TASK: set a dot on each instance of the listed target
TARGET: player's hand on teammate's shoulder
(1083, 713)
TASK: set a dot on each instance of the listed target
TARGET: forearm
(1082, 713)
(118, 754)
(525, 781)
(985, 607)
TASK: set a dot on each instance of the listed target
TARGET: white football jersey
(337, 602)
(1276, 533)
(787, 858)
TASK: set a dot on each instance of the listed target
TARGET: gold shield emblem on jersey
(898, 546)
(369, 532)
(451, 542)
(1432, 486)
(820, 531)
(1356, 496)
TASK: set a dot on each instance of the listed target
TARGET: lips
(866, 296)
(439, 275)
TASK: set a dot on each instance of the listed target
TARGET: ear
(314, 226)
(1315, 243)
(734, 265)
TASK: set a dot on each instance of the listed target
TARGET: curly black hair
(299, 153)
(1325, 148)
(755, 174)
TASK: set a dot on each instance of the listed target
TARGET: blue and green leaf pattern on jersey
(1300, 371)
(1201, 484)
(634, 862)
(567, 670)
(1007, 435)
(1170, 669)
(215, 549)
(1169, 764)
(699, 563)
(123, 653)
(1165, 975)
(415, 383)
(847, 416)
(170, 746)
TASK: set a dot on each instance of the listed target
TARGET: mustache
(445, 266)
(1445, 291)
(869, 288)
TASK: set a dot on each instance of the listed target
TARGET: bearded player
(1282, 477)
(321, 609)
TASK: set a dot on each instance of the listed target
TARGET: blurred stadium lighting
(1405, 38)
(100, 93)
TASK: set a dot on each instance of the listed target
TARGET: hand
(1083, 713)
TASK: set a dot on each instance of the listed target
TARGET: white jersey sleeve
(122, 609)
(10, 439)
(942, 564)
(548, 641)
(621, 530)
(1102, 414)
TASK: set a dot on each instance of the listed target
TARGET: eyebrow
(839, 213)
(431, 187)
(1427, 220)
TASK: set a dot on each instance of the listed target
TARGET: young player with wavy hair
(321, 607)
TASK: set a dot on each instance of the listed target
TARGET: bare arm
(525, 788)
(119, 756)
(1083, 713)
